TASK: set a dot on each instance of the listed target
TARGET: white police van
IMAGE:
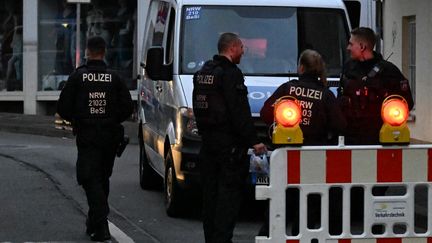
(180, 35)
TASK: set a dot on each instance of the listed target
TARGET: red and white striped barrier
(402, 214)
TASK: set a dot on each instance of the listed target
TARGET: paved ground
(46, 126)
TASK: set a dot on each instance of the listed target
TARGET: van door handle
(159, 88)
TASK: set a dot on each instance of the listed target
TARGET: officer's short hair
(96, 45)
(226, 40)
(366, 35)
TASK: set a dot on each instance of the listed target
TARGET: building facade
(42, 41)
(407, 35)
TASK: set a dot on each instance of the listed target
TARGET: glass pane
(57, 28)
(114, 20)
(11, 42)
(324, 30)
(353, 8)
(269, 35)
(273, 37)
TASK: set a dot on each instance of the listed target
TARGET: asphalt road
(41, 201)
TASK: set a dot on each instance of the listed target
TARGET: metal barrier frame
(421, 157)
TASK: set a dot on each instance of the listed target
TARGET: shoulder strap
(340, 89)
(377, 68)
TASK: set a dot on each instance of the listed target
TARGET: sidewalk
(45, 126)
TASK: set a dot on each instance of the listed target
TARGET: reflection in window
(324, 30)
(113, 20)
(157, 23)
(269, 36)
(11, 46)
(273, 37)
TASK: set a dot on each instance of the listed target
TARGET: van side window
(158, 23)
(354, 12)
(314, 34)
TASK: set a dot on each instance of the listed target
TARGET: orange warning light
(394, 111)
(287, 113)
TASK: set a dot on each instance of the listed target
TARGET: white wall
(394, 11)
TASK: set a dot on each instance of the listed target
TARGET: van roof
(294, 3)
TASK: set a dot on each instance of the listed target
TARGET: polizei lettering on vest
(205, 79)
(305, 92)
(96, 77)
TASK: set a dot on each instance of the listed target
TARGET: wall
(394, 11)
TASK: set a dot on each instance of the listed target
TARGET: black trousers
(96, 153)
(223, 174)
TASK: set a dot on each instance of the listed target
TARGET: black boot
(101, 233)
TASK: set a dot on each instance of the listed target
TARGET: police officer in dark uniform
(322, 120)
(366, 81)
(96, 101)
(225, 124)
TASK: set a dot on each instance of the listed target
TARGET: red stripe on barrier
(338, 166)
(293, 173)
(429, 240)
(344, 241)
(389, 240)
(292, 241)
(430, 172)
(389, 165)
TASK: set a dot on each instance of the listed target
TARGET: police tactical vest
(96, 98)
(209, 104)
(364, 93)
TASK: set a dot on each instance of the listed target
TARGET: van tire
(148, 178)
(173, 193)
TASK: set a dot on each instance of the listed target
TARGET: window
(113, 20)
(161, 26)
(157, 23)
(169, 52)
(11, 43)
(273, 37)
(409, 52)
(354, 10)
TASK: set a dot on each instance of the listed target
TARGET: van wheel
(147, 176)
(173, 193)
